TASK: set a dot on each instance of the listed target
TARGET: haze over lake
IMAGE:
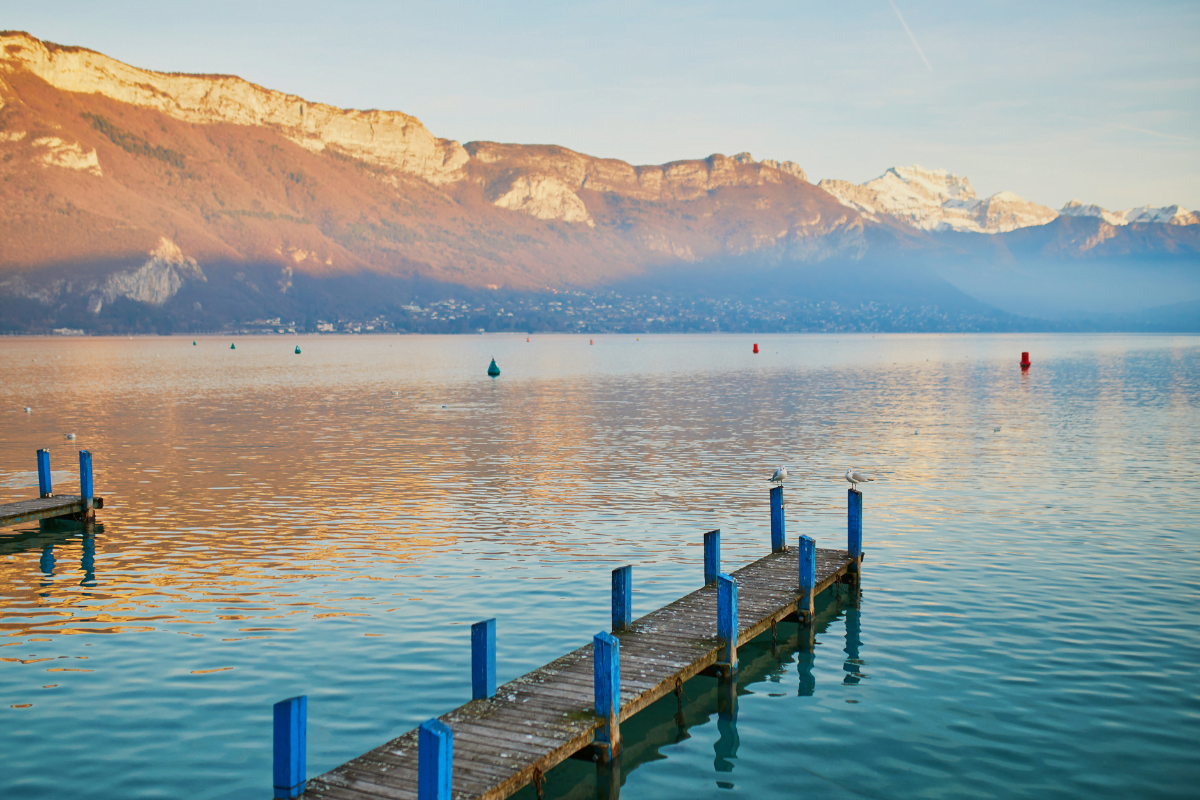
(331, 523)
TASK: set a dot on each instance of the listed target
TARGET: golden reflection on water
(229, 478)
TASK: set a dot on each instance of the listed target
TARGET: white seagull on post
(779, 475)
(855, 477)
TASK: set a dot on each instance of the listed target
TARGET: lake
(331, 523)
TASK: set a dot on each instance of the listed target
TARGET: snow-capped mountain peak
(1168, 215)
(1165, 215)
(1074, 208)
(936, 200)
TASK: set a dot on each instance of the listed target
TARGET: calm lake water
(331, 523)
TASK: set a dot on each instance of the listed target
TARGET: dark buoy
(232, 346)
(493, 370)
(1025, 361)
(756, 347)
(297, 349)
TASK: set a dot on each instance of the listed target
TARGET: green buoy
(193, 344)
(232, 346)
(493, 370)
(297, 349)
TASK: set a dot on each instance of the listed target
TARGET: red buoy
(590, 341)
(756, 347)
(1025, 360)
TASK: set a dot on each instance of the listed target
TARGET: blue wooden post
(808, 576)
(606, 651)
(727, 619)
(712, 556)
(43, 462)
(854, 532)
(778, 542)
(435, 760)
(483, 659)
(85, 478)
(291, 722)
(622, 598)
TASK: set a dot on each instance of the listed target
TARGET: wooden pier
(80, 507)
(509, 737)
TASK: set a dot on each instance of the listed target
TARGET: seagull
(779, 476)
(855, 477)
(70, 436)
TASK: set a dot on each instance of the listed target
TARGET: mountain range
(130, 197)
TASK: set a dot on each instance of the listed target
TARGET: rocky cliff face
(382, 138)
(228, 171)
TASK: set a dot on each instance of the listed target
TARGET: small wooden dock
(510, 737)
(63, 506)
(79, 507)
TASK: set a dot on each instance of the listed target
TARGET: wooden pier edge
(546, 716)
(57, 507)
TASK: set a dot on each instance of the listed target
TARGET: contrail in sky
(920, 52)
(1152, 133)
(1104, 124)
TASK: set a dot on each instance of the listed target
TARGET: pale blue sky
(1098, 101)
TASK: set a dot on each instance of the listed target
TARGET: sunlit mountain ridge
(203, 199)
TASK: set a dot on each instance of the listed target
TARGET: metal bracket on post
(607, 680)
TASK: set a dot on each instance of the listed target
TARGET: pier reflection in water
(765, 663)
(48, 534)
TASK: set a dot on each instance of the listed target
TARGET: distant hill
(132, 198)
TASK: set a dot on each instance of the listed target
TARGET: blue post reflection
(727, 743)
(853, 663)
(87, 561)
(46, 562)
(806, 659)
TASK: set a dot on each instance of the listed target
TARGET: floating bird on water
(70, 436)
(855, 477)
(779, 476)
